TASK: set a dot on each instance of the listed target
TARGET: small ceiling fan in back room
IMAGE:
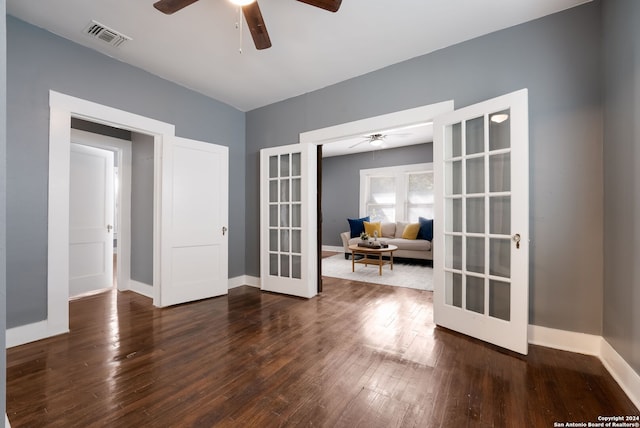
(251, 12)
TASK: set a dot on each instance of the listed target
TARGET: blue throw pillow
(357, 226)
(426, 228)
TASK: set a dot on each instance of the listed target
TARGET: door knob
(516, 239)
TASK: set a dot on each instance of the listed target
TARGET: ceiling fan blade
(171, 6)
(358, 143)
(330, 5)
(256, 25)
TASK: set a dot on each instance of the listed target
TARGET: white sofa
(392, 234)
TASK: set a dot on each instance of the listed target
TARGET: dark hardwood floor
(358, 355)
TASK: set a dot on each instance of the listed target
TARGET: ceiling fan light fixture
(242, 2)
(376, 141)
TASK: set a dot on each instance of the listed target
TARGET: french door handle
(109, 227)
(224, 230)
(516, 239)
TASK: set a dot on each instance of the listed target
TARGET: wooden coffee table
(366, 252)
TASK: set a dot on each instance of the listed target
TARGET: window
(400, 193)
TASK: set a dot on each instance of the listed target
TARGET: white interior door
(91, 199)
(288, 247)
(481, 251)
(195, 206)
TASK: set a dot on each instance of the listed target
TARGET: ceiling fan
(251, 12)
(376, 140)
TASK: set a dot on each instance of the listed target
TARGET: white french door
(91, 211)
(195, 201)
(288, 247)
(481, 248)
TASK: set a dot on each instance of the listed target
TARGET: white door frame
(122, 149)
(397, 119)
(413, 116)
(62, 108)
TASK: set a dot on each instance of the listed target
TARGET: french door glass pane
(453, 216)
(475, 175)
(453, 289)
(500, 215)
(284, 165)
(273, 191)
(500, 257)
(475, 215)
(284, 241)
(273, 166)
(500, 300)
(284, 215)
(453, 258)
(296, 267)
(296, 215)
(296, 241)
(475, 294)
(273, 216)
(453, 179)
(456, 140)
(273, 264)
(475, 254)
(296, 192)
(284, 265)
(296, 167)
(500, 172)
(474, 133)
(500, 130)
(284, 190)
(273, 239)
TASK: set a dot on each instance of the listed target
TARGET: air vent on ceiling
(106, 34)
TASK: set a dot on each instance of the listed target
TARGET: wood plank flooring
(359, 355)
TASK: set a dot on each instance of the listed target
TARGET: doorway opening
(353, 131)
(132, 225)
(62, 109)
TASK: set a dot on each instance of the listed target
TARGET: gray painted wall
(341, 184)
(558, 59)
(38, 61)
(3, 222)
(142, 208)
(622, 178)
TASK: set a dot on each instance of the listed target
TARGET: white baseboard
(580, 343)
(589, 344)
(141, 288)
(621, 371)
(332, 248)
(6, 421)
(20, 335)
(241, 280)
(253, 281)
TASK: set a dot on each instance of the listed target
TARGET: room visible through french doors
(288, 245)
(481, 248)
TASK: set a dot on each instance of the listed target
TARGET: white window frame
(401, 174)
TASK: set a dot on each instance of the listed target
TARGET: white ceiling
(197, 47)
(392, 138)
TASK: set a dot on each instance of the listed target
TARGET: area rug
(403, 274)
